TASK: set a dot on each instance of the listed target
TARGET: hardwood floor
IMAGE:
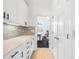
(42, 53)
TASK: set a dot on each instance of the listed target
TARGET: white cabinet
(26, 49)
(23, 51)
(10, 8)
(16, 11)
(14, 54)
(21, 12)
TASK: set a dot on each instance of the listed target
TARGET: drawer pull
(21, 54)
(57, 38)
(27, 47)
(14, 54)
(28, 57)
(27, 42)
(31, 43)
(27, 52)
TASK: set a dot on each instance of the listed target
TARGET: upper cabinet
(22, 12)
(16, 12)
(10, 10)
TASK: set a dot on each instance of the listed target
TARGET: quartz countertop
(12, 43)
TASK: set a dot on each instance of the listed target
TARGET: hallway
(39, 29)
(42, 53)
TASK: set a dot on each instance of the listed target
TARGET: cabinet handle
(27, 42)
(27, 52)
(31, 43)
(28, 57)
(14, 54)
(4, 14)
(21, 54)
(67, 36)
(57, 38)
(27, 47)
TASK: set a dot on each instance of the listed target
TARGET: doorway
(42, 32)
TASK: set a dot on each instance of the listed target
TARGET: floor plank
(42, 53)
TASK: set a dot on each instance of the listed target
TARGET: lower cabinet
(23, 51)
(14, 54)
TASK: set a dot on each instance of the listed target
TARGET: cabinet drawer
(13, 54)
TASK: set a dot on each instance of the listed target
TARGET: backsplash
(11, 31)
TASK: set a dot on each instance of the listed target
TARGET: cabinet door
(11, 55)
(23, 50)
(27, 49)
(21, 12)
(16, 53)
(11, 9)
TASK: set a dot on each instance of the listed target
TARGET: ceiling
(46, 7)
(39, 7)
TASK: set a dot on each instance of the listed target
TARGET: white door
(62, 47)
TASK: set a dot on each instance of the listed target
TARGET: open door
(42, 30)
